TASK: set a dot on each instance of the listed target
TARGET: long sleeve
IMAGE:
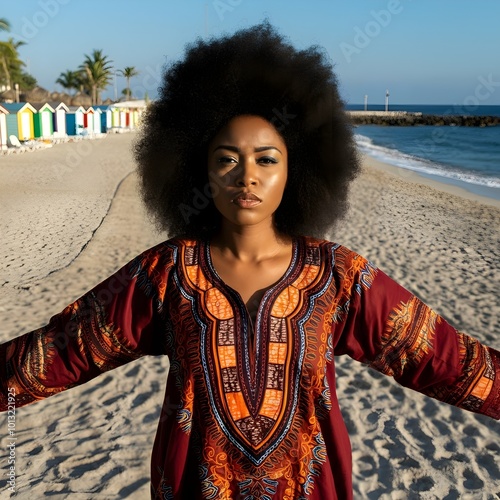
(395, 333)
(116, 322)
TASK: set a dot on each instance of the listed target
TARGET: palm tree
(9, 60)
(98, 71)
(70, 80)
(5, 50)
(11, 66)
(128, 73)
(4, 24)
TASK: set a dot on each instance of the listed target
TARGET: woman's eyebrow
(237, 150)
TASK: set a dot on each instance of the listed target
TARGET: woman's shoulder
(169, 246)
(166, 253)
(327, 245)
(341, 257)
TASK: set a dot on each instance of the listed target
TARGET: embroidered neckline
(241, 311)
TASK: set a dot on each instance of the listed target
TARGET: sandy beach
(71, 216)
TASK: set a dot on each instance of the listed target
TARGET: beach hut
(74, 120)
(134, 118)
(59, 118)
(97, 121)
(130, 112)
(88, 120)
(43, 120)
(20, 120)
(106, 117)
(123, 118)
(115, 117)
(3, 128)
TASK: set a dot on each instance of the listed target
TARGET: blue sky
(423, 51)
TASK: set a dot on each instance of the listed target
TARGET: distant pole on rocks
(366, 102)
(387, 100)
(116, 86)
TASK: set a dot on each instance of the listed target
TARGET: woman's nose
(246, 173)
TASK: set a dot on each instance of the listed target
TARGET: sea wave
(421, 165)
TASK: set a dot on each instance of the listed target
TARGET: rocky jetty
(406, 119)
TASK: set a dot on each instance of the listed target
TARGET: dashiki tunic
(243, 418)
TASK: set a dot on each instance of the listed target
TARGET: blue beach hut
(74, 120)
(106, 113)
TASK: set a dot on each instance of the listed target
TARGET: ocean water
(465, 156)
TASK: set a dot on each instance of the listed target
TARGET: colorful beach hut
(97, 121)
(129, 113)
(88, 120)
(106, 117)
(134, 118)
(20, 120)
(3, 128)
(43, 120)
(115, 117)
(74, 120)
(59, 118)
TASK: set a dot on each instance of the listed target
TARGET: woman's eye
(226, 159)
(268, 160)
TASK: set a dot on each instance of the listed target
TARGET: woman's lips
(247, 200)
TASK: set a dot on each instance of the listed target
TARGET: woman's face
(247, 168)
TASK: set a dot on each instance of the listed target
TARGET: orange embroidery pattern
(407, 338)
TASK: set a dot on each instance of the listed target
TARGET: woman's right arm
(116, 322)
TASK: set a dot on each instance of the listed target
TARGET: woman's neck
(249, 243)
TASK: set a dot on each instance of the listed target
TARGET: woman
(246, 157)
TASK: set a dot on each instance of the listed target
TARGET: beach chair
(13, 142)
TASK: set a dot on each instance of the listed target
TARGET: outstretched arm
(112, 324)
(394, 332)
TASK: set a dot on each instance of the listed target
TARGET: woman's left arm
(393, 331)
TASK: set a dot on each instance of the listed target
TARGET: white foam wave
(410, 162)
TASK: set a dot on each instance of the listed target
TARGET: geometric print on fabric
(226, 332)
(253, 400)
(255, 429)
(407, 338)
(275, 377)
(230, 379)
(278, 329)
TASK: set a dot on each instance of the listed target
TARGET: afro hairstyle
(254, 71)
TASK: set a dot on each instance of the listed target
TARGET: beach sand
(71, 217)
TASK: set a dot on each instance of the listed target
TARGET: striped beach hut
(20, 120)
(106, 117)
(129, 113)
(3, 128)
(43, 120)
(74, 120)
(59, 118)
(88, 120)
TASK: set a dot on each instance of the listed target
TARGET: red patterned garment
(252, 416)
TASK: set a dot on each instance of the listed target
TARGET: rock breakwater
(407, 119)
